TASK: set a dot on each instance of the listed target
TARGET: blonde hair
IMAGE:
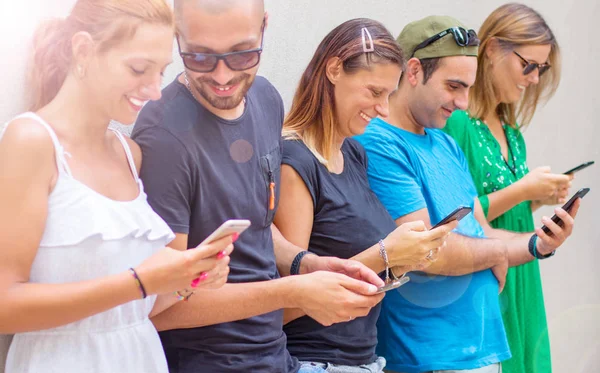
(107, 21)
(513, 25)
(312, 117)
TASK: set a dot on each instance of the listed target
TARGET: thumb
(544, 169)
(211, 249)
(418, 226)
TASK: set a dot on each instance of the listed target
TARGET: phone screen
(457, 214)
(579, 168)
(567, 207)
(393, 285)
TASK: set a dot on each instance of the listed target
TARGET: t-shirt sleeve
(299, 157)
(168, 176)
(393, 177)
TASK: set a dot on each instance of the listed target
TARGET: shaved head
(217, 7)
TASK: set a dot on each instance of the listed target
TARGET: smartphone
(567, 207)
(457, 214)
(393, 285)
(226, 229)
(579, 168)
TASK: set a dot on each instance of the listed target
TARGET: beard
(224, 103)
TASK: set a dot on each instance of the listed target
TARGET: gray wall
(562, 135)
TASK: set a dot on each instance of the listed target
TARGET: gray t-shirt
(200, 170)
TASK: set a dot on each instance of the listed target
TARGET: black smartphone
(457, 214)
(579, 168)
(567, 207)
(393, 285)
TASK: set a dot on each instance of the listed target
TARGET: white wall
(562, 135)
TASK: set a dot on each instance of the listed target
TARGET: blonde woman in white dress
(82, 254)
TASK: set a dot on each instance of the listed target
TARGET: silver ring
(430, 256)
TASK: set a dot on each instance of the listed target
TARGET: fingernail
(195, 282)
(372, 288)
(222, 254)
(203, 276)
(234, 237)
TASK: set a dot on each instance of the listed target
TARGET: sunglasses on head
(462, 37)
(530, 66)
(236, 61)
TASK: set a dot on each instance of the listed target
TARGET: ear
(83, 48)
(266, 19)
(414, 71)
(492, 49)
(333, 69)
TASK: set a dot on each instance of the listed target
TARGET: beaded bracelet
(182, 297)
(383, 254)
(138, 282)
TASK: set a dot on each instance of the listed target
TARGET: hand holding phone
(579, 168)
(459, 213)
(393, 285)
(233, 226)
(567, 207)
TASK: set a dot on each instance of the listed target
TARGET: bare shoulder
(27, 139)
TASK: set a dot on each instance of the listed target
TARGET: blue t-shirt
(433, 322)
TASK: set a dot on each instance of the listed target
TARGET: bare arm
(539, 186)
(505, 199)
(462, 255)
(28, 175)
(339, 299)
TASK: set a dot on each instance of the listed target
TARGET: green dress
(522, 300)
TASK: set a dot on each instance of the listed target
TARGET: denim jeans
(375, 367)
(494, 368)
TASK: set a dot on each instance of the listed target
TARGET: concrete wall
(562, 135)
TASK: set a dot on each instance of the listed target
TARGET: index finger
(443, 230)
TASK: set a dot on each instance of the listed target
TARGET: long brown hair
(107, 21)
(312, 117)
(513, 25)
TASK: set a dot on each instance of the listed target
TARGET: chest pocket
(270, 165)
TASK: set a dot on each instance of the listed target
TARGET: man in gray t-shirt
(212, 152)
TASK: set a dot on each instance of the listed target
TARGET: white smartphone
(393, 285)
(226, 229)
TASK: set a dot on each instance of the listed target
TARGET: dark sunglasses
(462, 37)
(530, 66)
(236, 61)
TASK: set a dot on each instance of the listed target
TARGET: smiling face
(507, 70)
(123, 78)
(447, 89)
(363, 95)
(234, 29)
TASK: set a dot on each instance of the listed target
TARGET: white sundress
(88, 236)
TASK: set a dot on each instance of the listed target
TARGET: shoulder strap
(127, 153)
(59, 151)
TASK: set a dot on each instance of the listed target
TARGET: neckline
(509, 152)
(95, 192)
(64, 171)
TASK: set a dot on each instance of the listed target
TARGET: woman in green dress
(518, 66)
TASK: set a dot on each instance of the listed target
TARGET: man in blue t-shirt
(447, 319)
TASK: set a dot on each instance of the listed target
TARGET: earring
(80, 71)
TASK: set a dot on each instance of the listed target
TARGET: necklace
(189, 88)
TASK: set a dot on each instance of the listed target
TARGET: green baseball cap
(415, 33)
